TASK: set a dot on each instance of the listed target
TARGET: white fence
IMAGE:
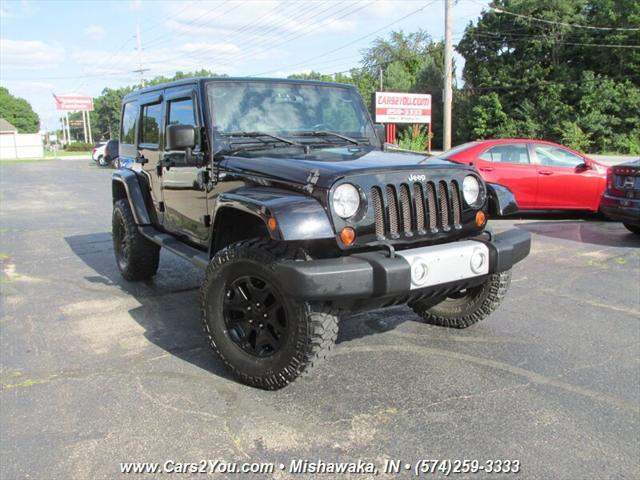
(20, 145)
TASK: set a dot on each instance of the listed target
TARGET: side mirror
(180, 137)
(581, 167)
(381, 133)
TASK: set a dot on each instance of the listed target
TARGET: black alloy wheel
(120, 243)
(254, 316)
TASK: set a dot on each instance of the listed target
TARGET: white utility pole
(448, 72)
(140, 69)
(64, 131)
(84, 126)
(89, 126)
(66, 116)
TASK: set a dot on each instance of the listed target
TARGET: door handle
(141, 159)
(545, 172)
(486, 169)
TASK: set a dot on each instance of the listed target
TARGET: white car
(98, 153)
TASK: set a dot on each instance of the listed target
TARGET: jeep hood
(331, 164)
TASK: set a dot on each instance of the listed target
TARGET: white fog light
(478, 262)
(471, 190)
(346, 200)
(419, 272)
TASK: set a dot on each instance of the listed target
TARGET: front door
(184, 182)
(561, 184)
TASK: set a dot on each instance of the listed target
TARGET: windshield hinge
(312, 179)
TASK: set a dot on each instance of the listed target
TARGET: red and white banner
(403, 107)
(73, 103)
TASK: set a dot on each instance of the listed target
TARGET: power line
(565, 24)
(348, 44)
(500, 36)
(277, 42)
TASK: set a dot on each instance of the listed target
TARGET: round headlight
(346, 200)
(471, 190)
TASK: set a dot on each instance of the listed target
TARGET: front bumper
(375, 275)
(621, 209)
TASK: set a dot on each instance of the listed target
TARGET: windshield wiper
(231, 150)
(262, 134)
(326, 133)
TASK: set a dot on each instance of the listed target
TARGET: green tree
(553, 80)
(18, 112)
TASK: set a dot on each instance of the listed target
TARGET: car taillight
(94, 151)
(609, 179)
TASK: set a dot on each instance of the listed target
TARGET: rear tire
(465, 308)
(101, 161)
(632, 228)
(136, 256)
(263, 337)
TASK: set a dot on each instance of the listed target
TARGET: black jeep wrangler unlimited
(283, 192)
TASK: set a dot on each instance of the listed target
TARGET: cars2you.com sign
(403, 107)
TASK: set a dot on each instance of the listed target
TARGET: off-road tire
(463, 311)
(311, 329)
(632, 228)
(141, 256)
(101, 161)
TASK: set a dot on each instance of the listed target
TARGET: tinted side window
(514, 153)
(129, 122)
(151, 118)
(556, 156)
(181, 112)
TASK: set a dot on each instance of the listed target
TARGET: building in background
(14, 145)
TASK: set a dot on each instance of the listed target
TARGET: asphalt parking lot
(96, 371)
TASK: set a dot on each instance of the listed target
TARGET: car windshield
(304, 112)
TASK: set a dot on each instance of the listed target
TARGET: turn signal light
(272, 224)
(481, 218)
(347, 235)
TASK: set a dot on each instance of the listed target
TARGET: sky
(83, 46)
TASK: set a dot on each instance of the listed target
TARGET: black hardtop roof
(198, 80)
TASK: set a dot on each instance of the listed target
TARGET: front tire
(101, 161)
(136, 256)
(264, 337)
(632, 228)
(465, 308)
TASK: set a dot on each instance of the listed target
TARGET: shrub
(79, 147)
(414, 139)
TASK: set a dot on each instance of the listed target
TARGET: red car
(542, 175)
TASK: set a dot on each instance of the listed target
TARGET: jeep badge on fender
(284, 193)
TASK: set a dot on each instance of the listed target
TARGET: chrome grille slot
(455, 201)
(419, 202)
(444, 204)
(392, 205)
(378, 209)
(405, 208)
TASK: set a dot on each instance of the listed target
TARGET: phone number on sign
(448, 467)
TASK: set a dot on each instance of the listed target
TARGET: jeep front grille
(410, 208)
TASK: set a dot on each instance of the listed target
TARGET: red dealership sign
(73, 103)
(403, 107)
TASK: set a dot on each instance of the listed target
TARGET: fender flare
(298, 216)
(129, 180)
(502, 201)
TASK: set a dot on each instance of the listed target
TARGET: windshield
(288, 109)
